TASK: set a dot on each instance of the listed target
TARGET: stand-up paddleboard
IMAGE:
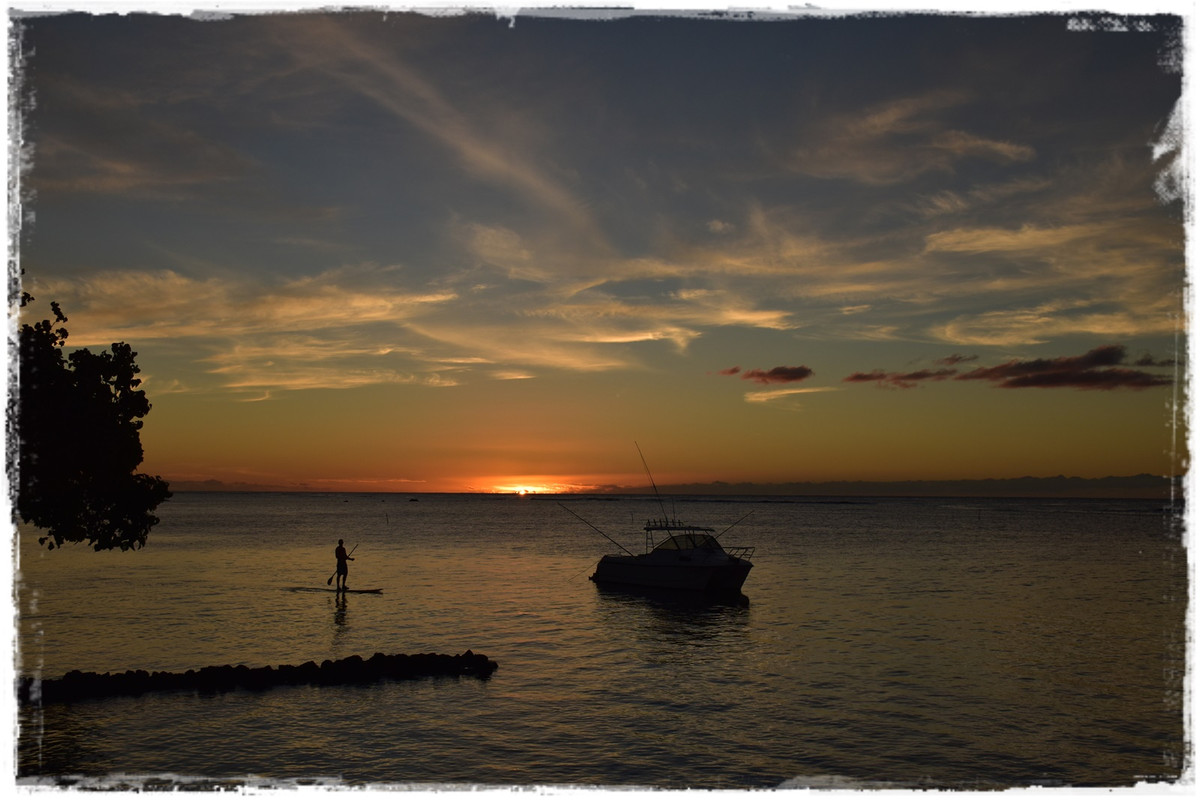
(339, 591)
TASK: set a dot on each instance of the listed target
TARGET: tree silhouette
(78, 420)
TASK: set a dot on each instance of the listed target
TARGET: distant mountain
(1132, 486)
(213, 485)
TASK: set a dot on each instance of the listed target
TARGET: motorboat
(678, 556)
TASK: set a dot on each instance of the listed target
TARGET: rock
(209, 681)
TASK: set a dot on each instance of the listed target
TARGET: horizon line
(1141, 485)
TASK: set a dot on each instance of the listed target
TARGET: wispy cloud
(1027, 238)
(1047, 322)
(774, 395)
(897, 141)
(135, 158)
(501, 154)
(113, 306)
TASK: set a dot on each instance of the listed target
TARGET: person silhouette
(343, 570)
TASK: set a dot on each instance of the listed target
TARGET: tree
(78, 425)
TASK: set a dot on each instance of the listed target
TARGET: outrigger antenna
(593, 527)
(722, 533)
(652, 483)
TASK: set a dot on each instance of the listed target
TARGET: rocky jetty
(76, 685)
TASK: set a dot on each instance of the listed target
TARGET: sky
(391, 251)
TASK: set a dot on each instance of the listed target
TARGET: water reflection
(668, 599)
(672, 619)
(340, 628)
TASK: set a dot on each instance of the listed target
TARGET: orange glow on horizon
(523, 489)
(541, 487)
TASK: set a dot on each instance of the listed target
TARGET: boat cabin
(680, 536)
(690, 541)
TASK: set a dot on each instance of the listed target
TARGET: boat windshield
(689, 541)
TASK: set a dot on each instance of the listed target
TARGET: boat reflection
(675, 627)
(672, 599)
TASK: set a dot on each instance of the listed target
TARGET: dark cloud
(866, 377)
(1095, 369)
(901, 380)
(1099, 368)
(775, 374)
(730, 371)
(1088, 379)
(1107, 356)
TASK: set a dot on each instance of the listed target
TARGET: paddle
(334, 575)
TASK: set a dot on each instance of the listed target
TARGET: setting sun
(534, 488)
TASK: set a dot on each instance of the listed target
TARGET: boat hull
(719, 573)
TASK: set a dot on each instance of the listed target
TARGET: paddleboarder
(343, 569)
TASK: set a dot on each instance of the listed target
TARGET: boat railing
(674, 525)
(743, 553)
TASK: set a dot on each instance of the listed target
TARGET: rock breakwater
(76, 685)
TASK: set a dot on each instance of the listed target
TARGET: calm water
(939, 643)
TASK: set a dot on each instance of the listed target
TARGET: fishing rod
(739, 522)
(652, 483)
(593, 527)
(334, 575)
(577, 574)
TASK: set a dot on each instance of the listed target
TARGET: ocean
(880, 642)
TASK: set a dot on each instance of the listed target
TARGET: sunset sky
(411, 253)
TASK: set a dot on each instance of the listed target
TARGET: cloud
(113, 149)
(164, 304)
(1149, 361)
(726, 307)
(341, 329)
(944, 202)
(772, 395)
(1025, 238)
(776, 375)
(1097, 369)
(504, 154)
(961, 143)
(897, 141)
(1044, 323)
(971, 284)
(900, 380)
(867, 377)
(385, 325)
(948, 201)
(250, 375)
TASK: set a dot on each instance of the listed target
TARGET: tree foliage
(78, 423)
